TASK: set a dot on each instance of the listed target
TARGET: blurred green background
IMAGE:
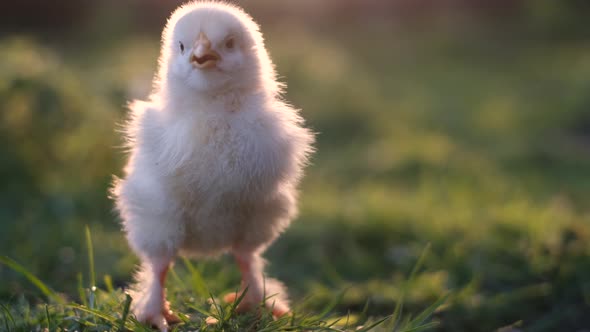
(463, 124)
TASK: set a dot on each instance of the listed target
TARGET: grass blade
(372, 326)
(218, 308)
(34, 280)
(424, 315)
(177, 279)
(332, 304)
(239, 299)
(201, 311)
(126, 307)
(197, 280)
(90, 257)
(5, 322)
(419, 263)
(422, 327)
(6, 313)
(108, 282)
(96, 313)
(363, 315)
(81, 291)
(47, 317)
(397, 312)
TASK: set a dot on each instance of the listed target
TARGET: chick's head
(208, 46)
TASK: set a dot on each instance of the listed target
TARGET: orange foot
(171, 318)
(278, 309)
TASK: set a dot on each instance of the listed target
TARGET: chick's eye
(229, 44)
(181, 47)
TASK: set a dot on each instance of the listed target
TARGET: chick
(215, 157)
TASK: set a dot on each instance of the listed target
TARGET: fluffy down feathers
(215, 154)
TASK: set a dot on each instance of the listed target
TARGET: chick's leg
(251, 266)
(150, 295)
(170, 317)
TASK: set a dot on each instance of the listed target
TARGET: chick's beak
(203, 56)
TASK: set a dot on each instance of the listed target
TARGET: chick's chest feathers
(246, 149)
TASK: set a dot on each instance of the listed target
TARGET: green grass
(109, 309)
(473, 138)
